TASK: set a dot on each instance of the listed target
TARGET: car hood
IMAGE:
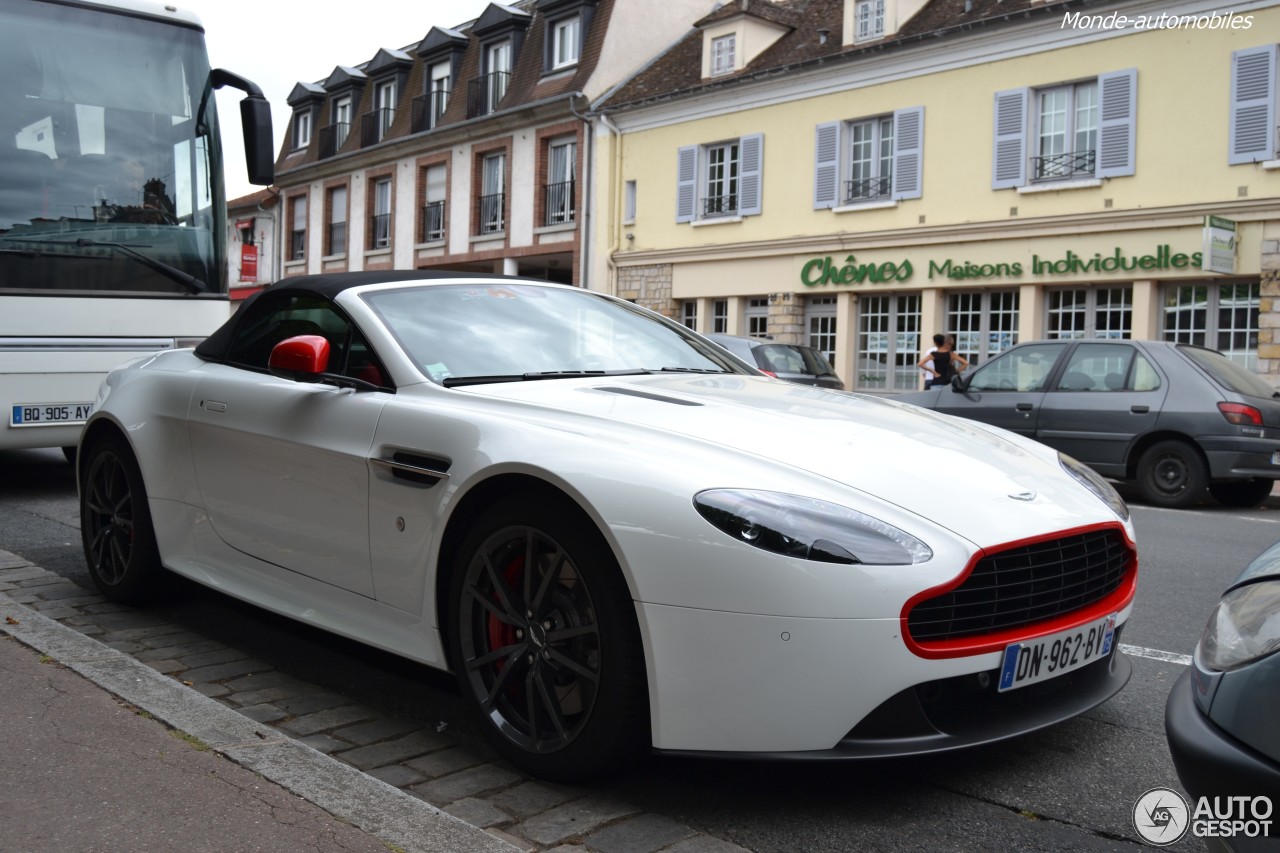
(978, 481)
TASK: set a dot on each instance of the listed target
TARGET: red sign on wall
(248, 262)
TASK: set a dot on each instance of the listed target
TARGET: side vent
(413, 468)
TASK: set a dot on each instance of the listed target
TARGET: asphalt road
(1072, 787)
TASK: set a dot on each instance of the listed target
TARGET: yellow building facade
(1000, 171)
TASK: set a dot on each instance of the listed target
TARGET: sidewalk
(87, 771)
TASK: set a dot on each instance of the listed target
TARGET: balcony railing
(298, 245)
(332, 137)
(485, 93)
(863, 189)
(1073, 164)
(428, 110)
(433, 222)
(337, 237)
(380, 231)
(491, 221)
(374, 126)
(559, 203)
(720, 205)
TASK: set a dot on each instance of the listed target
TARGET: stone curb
(344, 791)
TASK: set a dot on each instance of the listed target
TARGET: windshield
(506, 330)
(99, 150)
(1227, 373)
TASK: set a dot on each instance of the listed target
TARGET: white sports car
(617, 535)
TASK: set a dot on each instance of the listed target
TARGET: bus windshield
(106, 162)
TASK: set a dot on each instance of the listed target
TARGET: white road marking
(1156, 654)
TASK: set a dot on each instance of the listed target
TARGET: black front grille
(1025, 585)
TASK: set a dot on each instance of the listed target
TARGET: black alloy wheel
(545, 642)
(1172, 474)
(115, 524)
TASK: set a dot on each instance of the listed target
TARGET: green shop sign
(821, 271)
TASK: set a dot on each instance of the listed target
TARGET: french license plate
(1047, 657)
(49, 414)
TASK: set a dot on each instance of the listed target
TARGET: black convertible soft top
(328, 285)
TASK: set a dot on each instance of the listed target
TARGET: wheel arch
(1144, 442)
(472, 504)
(94, 430)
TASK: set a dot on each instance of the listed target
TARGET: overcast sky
(276, 43)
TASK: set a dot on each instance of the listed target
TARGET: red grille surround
(1024, 589)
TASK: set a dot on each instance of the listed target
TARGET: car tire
(1172, 474)
(1242, 493)
(115, 524)
(550, 661)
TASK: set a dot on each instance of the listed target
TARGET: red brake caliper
(500, 633)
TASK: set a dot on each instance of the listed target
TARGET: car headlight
(1096, 483)
(807, 528)
(1243, 627)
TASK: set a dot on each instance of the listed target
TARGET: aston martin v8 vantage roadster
(618, 536)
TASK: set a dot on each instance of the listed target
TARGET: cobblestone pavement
(427, 761)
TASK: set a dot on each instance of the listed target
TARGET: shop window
(1081, 130)
(1093, 312)
(757, 318)
(720, 316)
(888, 347)
(1219, 316)
(689, 314)
(820, 324)
(869, 159)
(985, 323)
(722, 179)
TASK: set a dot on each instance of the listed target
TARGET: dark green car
(1175, 419)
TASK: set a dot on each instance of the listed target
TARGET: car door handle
(213, 406)
(1025, 407)
(1139, 410)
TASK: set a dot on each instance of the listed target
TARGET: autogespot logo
(1161, 817)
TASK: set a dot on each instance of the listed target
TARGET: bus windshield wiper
(190, 282)
(456, 381)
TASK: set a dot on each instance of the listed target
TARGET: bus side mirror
(259, 155)
(255, 119)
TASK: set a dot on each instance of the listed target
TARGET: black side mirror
(959, 382)
(255, 120)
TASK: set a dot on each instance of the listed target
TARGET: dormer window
(724, 52)
(341, 119)
(870, 20)
(566, 42)
(302, 128)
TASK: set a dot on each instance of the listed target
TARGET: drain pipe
(614, 194)
(588, 208)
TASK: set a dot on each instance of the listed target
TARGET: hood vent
(648, 395)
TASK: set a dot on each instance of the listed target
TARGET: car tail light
(1238, 413)
(769, 373)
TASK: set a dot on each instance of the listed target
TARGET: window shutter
(1117, 126)
(751, 150)
(1253, 105)
(1009, 166)
(908, 152)
(826, 166)
(686, 183)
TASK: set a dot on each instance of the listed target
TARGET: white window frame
(878, 145)
(385, 98)
(342, 120)
(755, 317)
(1066, 131)
(984, 322)
(1073, 313)
(630, 195)
(868, 20)
(493, 178)
(888, 328)
(302, 128)
(435, 190)
(382, 207)
(337, 216)
(721, 178)
(1188, 318)
(821, 321)
(689, 314)
(566, 42)
(724, 54)
(720, 316)
(439, 91)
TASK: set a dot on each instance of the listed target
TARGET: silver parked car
(1173, 418)
(792, 362)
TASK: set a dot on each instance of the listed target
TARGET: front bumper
(751, 686)
(1209, 761)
